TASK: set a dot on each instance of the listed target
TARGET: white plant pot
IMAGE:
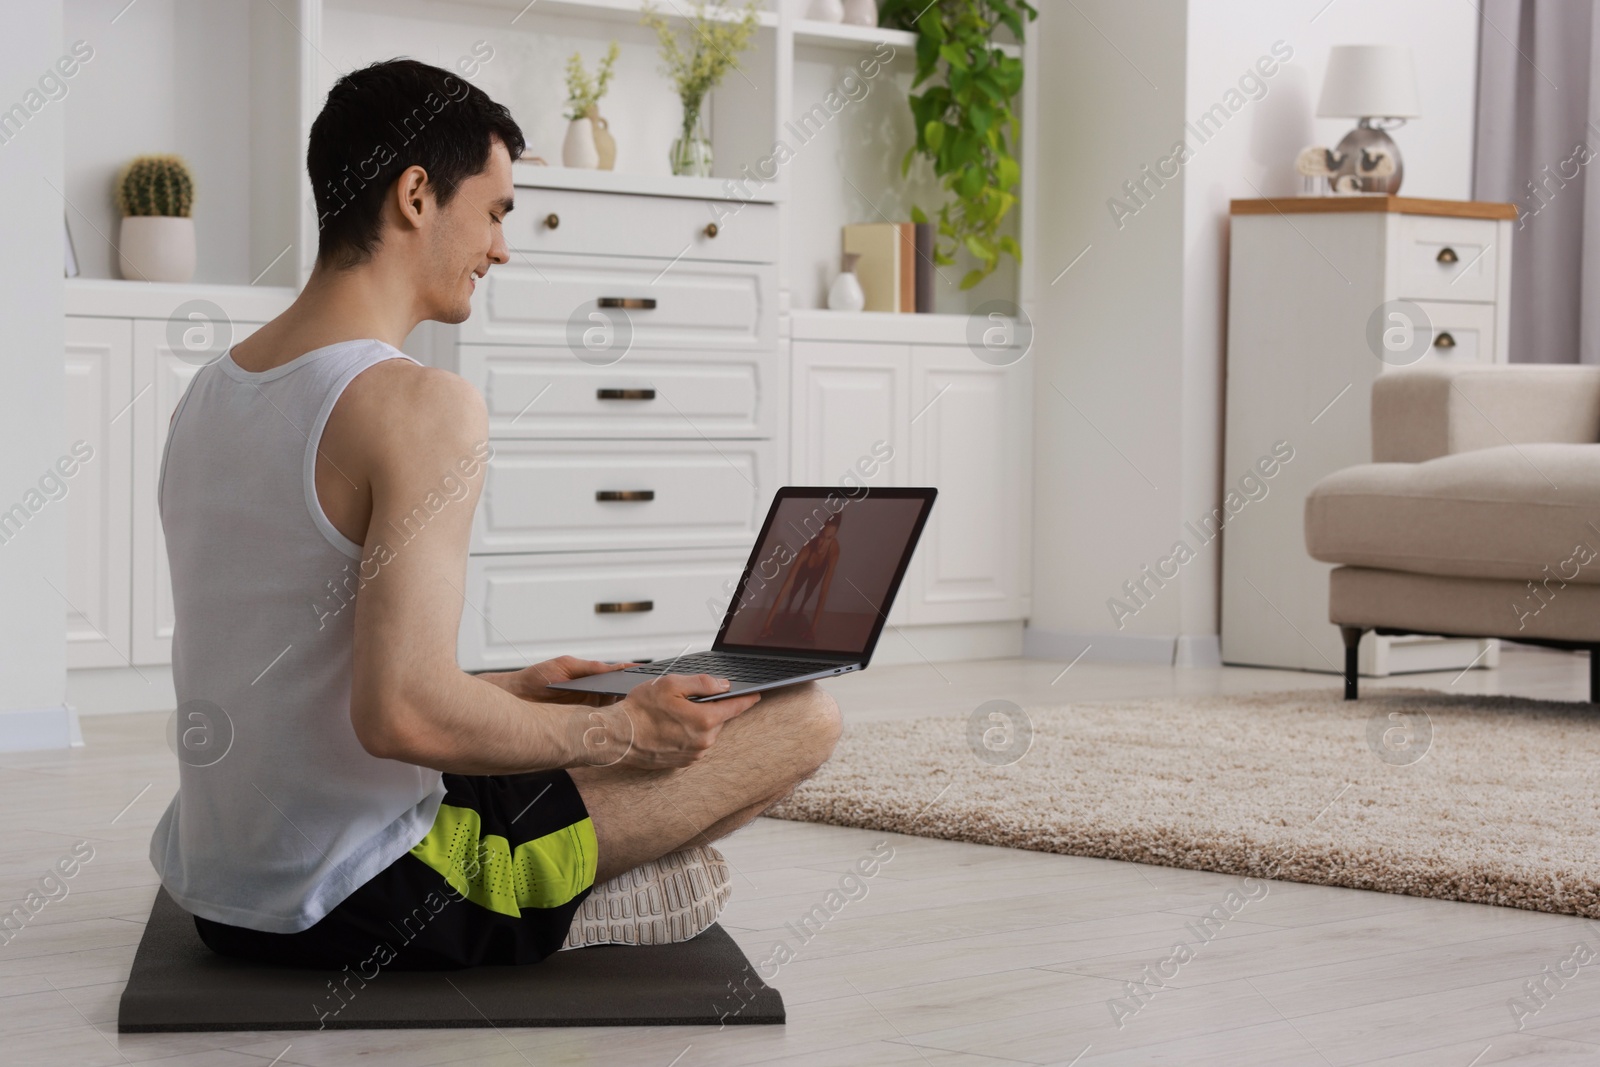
(156, 248)
(826, 11)
(861, 12)
(578, 149)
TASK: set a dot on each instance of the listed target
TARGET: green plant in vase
(966, 121)
(697, 60)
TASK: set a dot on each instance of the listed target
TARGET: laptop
(813, 597)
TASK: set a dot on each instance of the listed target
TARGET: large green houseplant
(966, 122)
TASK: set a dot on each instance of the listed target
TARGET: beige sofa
(1480, 515)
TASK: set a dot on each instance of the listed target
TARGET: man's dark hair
(378, 121)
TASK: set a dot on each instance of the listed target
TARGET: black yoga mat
(179, 984)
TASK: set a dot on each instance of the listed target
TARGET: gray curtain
(1538, 146)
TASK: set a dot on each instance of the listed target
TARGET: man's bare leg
(641, 815)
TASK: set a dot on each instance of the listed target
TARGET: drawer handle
(626, 495)
(624, 394)
(552, 221)
(1444, 340)
(630, 303)
(624, 607)
(712, 230)
(1446, 255)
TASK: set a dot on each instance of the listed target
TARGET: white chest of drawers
(628, 355)
(1309, 283)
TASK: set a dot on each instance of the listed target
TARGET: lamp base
(1369, 137)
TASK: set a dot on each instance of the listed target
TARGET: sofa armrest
(1421, 413)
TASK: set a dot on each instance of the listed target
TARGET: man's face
(466, 239)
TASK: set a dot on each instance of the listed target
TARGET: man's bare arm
(416, 436)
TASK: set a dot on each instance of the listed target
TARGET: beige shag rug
(1494, 800)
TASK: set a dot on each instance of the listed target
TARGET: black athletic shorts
(497, 880)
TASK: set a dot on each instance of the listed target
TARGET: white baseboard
(113, 690)
(1198, 650)
(1103, 647)
(1182, 650)
(29, 729)
(949, 642)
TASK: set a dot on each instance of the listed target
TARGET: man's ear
(413, 194)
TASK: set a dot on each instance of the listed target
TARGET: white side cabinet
(1318, 289)
(124, 380)
(952, 421)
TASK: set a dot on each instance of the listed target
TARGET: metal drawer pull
(1446, 255)
(712, 230)
(552, 220)
(626, 495)
(624, 394)
(624, 607)
(1444, 340)
(630, 303)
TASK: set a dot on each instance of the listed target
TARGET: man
(373, 802)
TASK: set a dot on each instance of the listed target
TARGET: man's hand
(657, 726)
(533, 683)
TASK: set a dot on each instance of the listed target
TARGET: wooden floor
(956, 954)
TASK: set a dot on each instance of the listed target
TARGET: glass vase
(691, 151)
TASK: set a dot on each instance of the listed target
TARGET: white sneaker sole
(670, 899)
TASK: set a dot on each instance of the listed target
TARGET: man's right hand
(657, 726)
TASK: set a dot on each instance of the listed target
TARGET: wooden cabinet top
(1365, 203)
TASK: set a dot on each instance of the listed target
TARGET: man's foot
(669, 899)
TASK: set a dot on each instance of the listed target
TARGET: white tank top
(280, 813)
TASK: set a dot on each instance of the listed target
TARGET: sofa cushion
(1518, 511)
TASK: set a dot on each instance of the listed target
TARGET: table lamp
(1376, 84)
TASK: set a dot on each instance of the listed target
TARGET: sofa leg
(1594, 674)
(1352, 649)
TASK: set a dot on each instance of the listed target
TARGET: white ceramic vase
(156, 248)
(578, 149)
(861, 12)
(845, 294)
(826, 11)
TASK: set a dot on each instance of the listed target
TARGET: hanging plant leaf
(965, 119)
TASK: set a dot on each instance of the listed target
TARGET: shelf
(534, 176)
(858, 38)
(116, 298)
(839, 35)
(880, 327)
(611, 10)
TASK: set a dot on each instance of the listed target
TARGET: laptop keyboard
(735, 668)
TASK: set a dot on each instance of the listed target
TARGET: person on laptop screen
(348, 796)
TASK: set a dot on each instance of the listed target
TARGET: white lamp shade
(1369, 81)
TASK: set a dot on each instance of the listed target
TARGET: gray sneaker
(669, 899)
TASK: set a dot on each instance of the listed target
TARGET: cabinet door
(969, 437)
(99, 372)
(160, 377)
(847, 397)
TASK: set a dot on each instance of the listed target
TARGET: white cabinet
(123, 382)
(98, 363)
(629, 361)
(968, 437)
(953, 422)
(1313, 284)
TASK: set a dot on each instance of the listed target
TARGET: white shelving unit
(818, 116)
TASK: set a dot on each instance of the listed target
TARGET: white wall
(1135, 333)
(167, 76)
(32, 405)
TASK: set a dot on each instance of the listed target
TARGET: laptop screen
(825, 571)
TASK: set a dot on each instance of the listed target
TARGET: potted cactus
(155, 195)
